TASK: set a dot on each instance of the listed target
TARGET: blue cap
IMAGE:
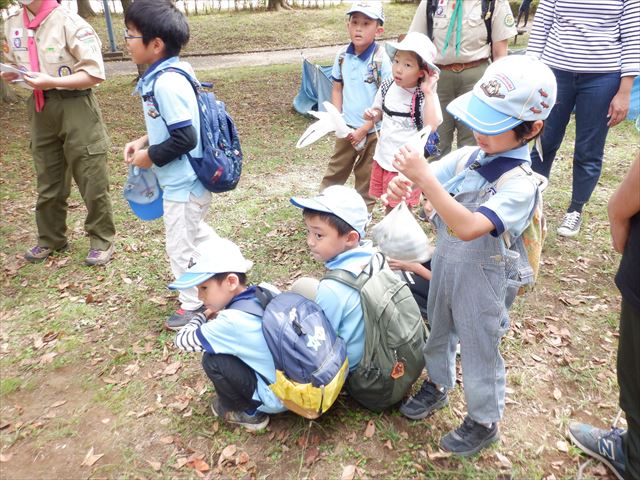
(143, 193)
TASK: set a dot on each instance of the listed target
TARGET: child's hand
(357, 135)
(429, 84)
(400, 265)
(40, 80)
(210, 314)
(131, 148)
(9, 76)
(411, 163)
(141, 159)
(372, 114)
(398, 189)
(428, 208)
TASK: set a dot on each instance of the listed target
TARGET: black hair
(523, 131)
(219, 277)
(333, 220)
(159, 19)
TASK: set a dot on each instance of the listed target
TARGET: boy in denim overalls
(475, 277)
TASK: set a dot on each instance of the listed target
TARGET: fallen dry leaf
(504, 460)
(91, 458)
(370, 430)
(557, 394)
(58, 403)
(5, 457)
(348, 472)
(180, 462)
(242, 458)
(311, 455)
(172, 368)
(227, 454)
(157, 466)
(168, 440)
(199, 464)
(562, 446)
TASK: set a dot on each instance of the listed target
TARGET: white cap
(417, 43)
(343, 202)
(372, 10)
(514, 89)
(210, 258)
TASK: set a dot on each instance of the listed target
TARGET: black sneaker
(425, 402)
(469, 438)
(181, 317)
(253, 423)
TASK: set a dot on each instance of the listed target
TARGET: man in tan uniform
(62, 55)
(460, 37)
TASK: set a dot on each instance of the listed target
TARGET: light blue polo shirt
(238, 333)
(341, 303)
(178, 108)
(509, 209)
(358, 78)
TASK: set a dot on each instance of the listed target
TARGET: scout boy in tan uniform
(61, 56)
(464, 52)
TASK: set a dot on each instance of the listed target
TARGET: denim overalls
(473, 285)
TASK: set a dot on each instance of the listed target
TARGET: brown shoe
(99, 257)
(39, 254)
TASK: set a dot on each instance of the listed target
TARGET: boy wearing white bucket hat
(474, 209)
(236, 357)
(406, 103)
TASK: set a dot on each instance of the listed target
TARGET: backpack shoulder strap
(376, 263)
(467, 161)
(248, 305)
(152, 95)
(376, 61)
(488, 6)
(432, 5)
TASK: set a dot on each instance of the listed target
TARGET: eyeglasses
(129, 37)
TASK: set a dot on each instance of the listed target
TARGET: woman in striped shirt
(593, 48)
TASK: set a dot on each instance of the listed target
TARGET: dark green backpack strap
(347, 278)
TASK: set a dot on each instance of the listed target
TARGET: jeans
(590, 94)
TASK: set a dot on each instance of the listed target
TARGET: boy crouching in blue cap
(336, 221)
(236, 356)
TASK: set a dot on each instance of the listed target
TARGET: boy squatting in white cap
(470, 303)
(236, 368)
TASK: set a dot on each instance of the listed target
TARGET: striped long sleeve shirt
(588, 36)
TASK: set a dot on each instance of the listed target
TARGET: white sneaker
(570, 225)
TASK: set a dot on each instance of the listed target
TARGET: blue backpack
(221, 163)
(310, 359)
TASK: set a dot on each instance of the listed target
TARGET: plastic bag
(400, 236)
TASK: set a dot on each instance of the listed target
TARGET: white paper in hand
(400, 236)
(11, 69)
(329, 121)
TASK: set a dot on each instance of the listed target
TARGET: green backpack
(394, 336)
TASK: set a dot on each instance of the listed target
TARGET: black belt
(66, 93)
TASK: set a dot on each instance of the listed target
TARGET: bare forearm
(499, 49)
(77, 81)
(336, 95)
(625, 201)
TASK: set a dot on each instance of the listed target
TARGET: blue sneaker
(604, 445)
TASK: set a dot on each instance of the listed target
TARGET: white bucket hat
(418, 43)
(210, 258)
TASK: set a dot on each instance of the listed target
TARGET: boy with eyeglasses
(156, 32)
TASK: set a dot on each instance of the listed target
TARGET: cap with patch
(373, 10)
(143, 193)
(210, 258)
(514, 89)
(417, 43)
(343, 202)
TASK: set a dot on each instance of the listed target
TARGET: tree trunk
(277, 5)
(125, 4)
